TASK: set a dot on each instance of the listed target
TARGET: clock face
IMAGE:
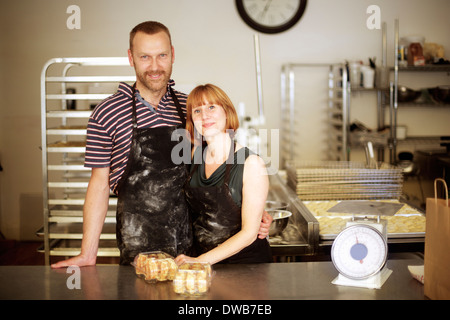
(359, 251)
(271, 16)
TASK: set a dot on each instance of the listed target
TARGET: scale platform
(373, 282)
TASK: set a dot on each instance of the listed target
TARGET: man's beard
(154, 85)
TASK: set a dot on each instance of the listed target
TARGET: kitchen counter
(272, 281)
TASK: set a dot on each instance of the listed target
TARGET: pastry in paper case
(193, 278)
(155, 266)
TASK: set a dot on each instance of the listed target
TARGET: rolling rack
(70, 89)
(337, 100)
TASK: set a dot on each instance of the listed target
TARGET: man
(128, 147)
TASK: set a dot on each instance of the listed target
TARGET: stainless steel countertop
(273, 281)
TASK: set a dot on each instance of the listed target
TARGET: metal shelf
(67, 130)
(74, 211)
(69, 114)
(65, 179)
(394, 104)
(63, 202)
(425, 68)
(71, 247)
(75, 231)
(67, 167)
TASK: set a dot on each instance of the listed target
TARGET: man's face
(152, 57)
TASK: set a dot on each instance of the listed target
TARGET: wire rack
(343, 180)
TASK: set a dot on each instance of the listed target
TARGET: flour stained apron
(152, 212)
(216, 217)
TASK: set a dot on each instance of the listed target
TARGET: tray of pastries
(406, 222)
(155, 266)
(193, 278)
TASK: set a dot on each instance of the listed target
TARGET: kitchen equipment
(440, 94)
(359, 253)
(280, 221)
(427, 161)
(63, 135)
(401, 132)
(407, 95)
(368, 76)
(316, 229)
(406, 163)
(407, 222)
(355, 74)
(402, 53)
(366, 207)
(382, 77)
(343, 180)
(370, 160)
(415, 55)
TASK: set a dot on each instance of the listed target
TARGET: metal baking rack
(70, 88)
(343, 180)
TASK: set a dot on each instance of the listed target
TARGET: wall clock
(271, 16)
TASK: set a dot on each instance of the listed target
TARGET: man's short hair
(149, 27)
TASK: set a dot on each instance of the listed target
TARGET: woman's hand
(184, 259)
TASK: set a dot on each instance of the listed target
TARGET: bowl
(280, 221)
(276, 205)
(407, 95)
(440, 94)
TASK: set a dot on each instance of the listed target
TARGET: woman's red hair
(212, 94)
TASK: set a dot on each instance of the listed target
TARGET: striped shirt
(109, 130)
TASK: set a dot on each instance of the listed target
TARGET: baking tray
(343, 180)
(408, 211)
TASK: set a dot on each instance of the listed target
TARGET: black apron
(216, 217)
(152, 213)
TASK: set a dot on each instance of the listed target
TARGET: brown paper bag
(437, 247)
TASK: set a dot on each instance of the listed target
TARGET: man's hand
(265, 225)
(79, 261)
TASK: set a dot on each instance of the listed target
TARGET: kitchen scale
(359, 253)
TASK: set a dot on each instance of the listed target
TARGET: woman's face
(209, 119)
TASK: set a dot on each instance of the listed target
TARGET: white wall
(211, 42)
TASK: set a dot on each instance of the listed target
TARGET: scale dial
(359, 252)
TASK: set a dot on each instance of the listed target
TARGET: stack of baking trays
(344, 180)
(338, 192)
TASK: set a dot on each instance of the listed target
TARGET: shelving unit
(395, 104)
(338, 113)
(64, 118)
(340, 96)
(339, 140)
(334, 103)
(339, 103)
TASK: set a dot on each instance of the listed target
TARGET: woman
(227, 186)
